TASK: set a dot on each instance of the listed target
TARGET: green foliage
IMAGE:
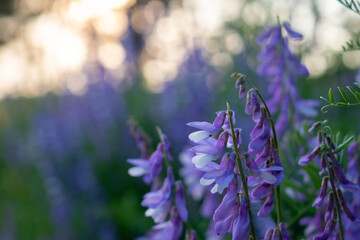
(352, 5)
(353, 44)
(345, 96)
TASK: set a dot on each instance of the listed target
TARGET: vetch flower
(207, 129)
(322, 193)
(159, 201)
(180, 202)
(209, 149)
(282, 68)
(147, 168)
(221, 174)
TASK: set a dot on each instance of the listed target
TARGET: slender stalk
(337, 202)
(242, 175)
(168, 164)
(277, 188)
(166, 157)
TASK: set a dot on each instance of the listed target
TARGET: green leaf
(353, 91)
(357, 84)
(325, 99)
(343, 144)
(342, 104)
(337, 138)
(344, 95)
(331, 96)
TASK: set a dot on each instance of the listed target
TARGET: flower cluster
(333, 173)
(281, 67)
(260, 168)
(164, 201)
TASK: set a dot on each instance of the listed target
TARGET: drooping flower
(282, 68)
(221, 174)
(159, 201)
(209, 149)
(148, 168)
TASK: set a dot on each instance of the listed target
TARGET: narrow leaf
(344, 95)
(353, 91)
(357, 84)
(342, 104)
(325, 99)
(343, 144)
(337, 138)
(331, 96)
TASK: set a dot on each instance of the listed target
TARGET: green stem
(277, 188)
(166, 157)
(168, 164)
(242, 175)
(327, 149)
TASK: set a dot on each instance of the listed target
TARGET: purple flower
(268, 205)
(340, 174)
(261, 173)
(180, 202)
(241, 224)
(282, 68)
(322, 193)
(268, 234)
(283, 231)
(171, 229)
(147, 168)
(207, 129)
(258, 143)
(305, 160)
(159, 201)
(209, 149)
(221, 174)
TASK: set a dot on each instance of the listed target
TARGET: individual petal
(227, 205)
(345, 183)
(137, 171)
(329, 227)
(261, 191)
(222, 141)
(291, 32)
(205, 148)
(199, 136)
(241, 224)
(268, 205)
(330, 207)
(248, 106)
(206, 126)
(268, 234)
(257, 144)
(256, 172)
(346, 209)
(222, 227)
(180, 201)
(315, 126)
(276, 234)
(153, 199)
(207, 182)
(305, 160)
(322, 193)
(283, 231)
(262, 38)
(219, 120)
(201, 160)
(218, 189)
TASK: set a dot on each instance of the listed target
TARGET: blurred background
(72, 72)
